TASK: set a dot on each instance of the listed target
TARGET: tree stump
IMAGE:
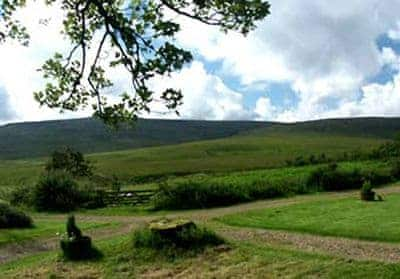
(169, 229)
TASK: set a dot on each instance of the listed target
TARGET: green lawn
(377, 221)
(45, 228)
(244, 260)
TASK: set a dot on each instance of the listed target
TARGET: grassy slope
(378, 221)
(224, 155)
(29, 140)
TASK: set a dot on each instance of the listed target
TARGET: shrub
(76, 246)
(12, 218)
(178, 234)
(330, 178)
(56, 191)
(206, 193)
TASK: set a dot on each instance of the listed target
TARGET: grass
(250, 260)
(350, 217)
(45, 228)
(214, 156)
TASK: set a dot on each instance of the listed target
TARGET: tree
(134, 34)
(70, 161)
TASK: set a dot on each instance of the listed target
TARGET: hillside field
(277, 224)
(237, 153)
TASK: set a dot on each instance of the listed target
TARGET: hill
(39, 139)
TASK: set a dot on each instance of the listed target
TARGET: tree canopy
(137, 35)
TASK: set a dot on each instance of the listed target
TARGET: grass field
(216, 156)
(255, 159)
(352, 218)
(44, 228)
(244, 260)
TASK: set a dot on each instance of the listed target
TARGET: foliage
(76, 246)
(210, 191)
(12, 218)
(22, 195)
(70, 161)
(138, 34)
(204, 194)
(56, 191)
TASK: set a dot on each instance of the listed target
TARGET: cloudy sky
(309, 59)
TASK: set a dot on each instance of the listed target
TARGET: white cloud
(325, 49)
(394, 33)
(205, 95)
(264, 109)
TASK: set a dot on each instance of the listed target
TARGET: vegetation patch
(208, 191)
(175, 236)
(13, 218)
(57, 191)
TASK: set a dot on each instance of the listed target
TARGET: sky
(309, 59)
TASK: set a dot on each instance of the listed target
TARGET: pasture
(274, 222)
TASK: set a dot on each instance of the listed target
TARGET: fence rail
(134, 197)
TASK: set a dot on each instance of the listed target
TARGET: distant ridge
(38, 139)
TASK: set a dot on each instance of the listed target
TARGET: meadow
(277, 225)
(236, 153)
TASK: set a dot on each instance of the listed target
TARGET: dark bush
(12, 218)
(76, 246)
(203, 193)
(330, 178)
(56, 191)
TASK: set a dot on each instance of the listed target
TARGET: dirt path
(353, 249)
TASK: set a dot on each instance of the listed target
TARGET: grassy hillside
(214, 156)
(38, 139)
(30, 140)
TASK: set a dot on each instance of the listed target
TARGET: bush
(56, 191)
(203, 193)
(76, 246)
(12, 218)
(182, 235)
(330, 178)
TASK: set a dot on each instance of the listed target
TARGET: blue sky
(308, 60)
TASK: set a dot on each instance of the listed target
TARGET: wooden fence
(134, 197)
